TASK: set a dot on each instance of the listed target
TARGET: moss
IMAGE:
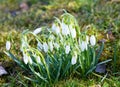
(103, 16)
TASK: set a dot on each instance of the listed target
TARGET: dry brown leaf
(2, 71)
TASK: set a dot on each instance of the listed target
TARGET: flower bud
(92, 40)
(45, 47)
(8, 45)
(67, 49)
(74, 59)
(36, 31)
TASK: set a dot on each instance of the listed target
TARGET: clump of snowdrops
(60, 51)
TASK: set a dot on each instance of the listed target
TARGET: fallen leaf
(100, 68)
(2, 71)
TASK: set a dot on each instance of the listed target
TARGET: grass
(101, 17)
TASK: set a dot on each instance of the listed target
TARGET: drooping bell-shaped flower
(67, 49)
(65, 29)
(53, 27)
(72, 31)
(36, 31)
(50, 45)
(74, 59)
(8, 45)
(40, 46)
(56, 28)
(92, 40)
(83, 45)
(30, 60)
(38, 59)
(57, 46)
(25, 58)
(52, 37)
(45, 47)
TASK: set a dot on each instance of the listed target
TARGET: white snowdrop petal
(30, 60)
(67, 49)
(74, 59)
(92, 40)
(55, 29)
(38, 59)
(73, 33)
(36, 31)
(52, 37)
(50, 45)
(40, 46)
(25, 58)
(8, 45)
(65, 29)
(56, 45)
(83, 45)
(45, 47)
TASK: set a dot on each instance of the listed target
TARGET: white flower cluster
(84, 44)
(62, 30)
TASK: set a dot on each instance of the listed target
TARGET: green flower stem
(43, 63)
(94, 58)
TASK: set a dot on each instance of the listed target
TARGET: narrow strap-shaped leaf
(94, 58)
(77, 67)
(99, 53)
(19, 62)
(66, 68)
(58, 73)
(33, 80)
(38, 74)
(90, 70)
(104, 61)
(25, 32)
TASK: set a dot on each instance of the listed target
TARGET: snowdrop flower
(56, 45)
(45, 47)
(25, 58)
(67, 49)
(52, 37)
(92, 40)
(38, 59)
(65, 29)
(73, 32)
(55, 29)
(40, 46)
(29, 60)
(36, 31)
(8, 45)
(50, 45)
(83, 45)
(74, 59)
